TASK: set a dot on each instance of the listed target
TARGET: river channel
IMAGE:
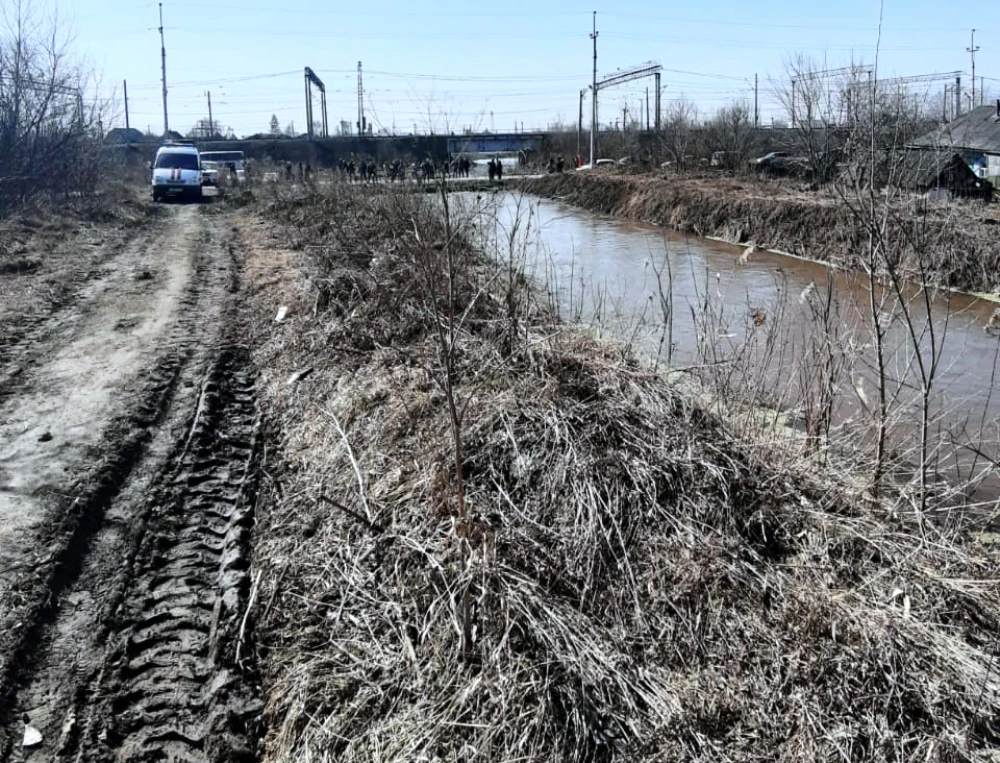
(763, 312)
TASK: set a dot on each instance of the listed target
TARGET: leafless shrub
(49, 136)
(679, 131)
(731, 132)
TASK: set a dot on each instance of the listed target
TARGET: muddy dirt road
(128, 463)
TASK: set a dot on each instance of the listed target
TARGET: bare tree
(894, 252)
(679, 130)
(731, 132)
(822, 103)
(49, 132)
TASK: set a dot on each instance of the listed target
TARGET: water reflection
(686, 301)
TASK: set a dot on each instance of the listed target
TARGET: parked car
(782, 163)
(232, 164)
(209, 173)
(768, 160)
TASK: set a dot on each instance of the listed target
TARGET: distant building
(121, 136)
(942, 173)
(975, 136)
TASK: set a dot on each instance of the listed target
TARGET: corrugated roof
(978, 130)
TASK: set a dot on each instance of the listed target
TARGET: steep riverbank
(482, 538)
(957, 242)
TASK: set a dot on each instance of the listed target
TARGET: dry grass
(644, 586)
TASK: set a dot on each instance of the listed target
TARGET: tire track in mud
(177, 691)
(130, 652)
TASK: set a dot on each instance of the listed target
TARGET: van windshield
(177, 162)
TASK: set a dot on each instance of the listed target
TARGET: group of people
(305, 172)
(495, 169)
(355, 170)
(369, 171)
(361, 171)
(558, 163)
(461, 167)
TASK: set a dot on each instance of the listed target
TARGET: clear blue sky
(451, 64)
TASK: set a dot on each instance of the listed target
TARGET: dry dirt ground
(128, 452)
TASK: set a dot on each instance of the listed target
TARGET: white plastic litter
(32, 736)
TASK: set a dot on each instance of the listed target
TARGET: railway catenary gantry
(312, 80)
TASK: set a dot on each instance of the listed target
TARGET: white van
(231, 164)
(177, 172)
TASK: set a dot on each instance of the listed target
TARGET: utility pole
(125, 88)
(309, 104)
(211, 124)
(326, 124)
(647, 109)
(756, 111)
(793, 102)
(624, 117)
(579, 126)
(944, 106)
(361, 103)
(656, 84)
(163, 67)
(593, 105)
(958, 97)
(971, 50)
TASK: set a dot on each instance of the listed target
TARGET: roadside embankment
(955, 242)
(480, 538)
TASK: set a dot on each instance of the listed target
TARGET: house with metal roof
(942, 174)
(975, 136)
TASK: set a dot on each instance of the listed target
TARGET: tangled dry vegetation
(635, 584)
(955, 239)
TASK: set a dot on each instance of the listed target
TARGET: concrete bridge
(494, 143)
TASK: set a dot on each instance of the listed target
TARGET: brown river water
(758, 312)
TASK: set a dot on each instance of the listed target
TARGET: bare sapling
(453, 282)
(665, 301)
(898, 278)
(823, 364)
